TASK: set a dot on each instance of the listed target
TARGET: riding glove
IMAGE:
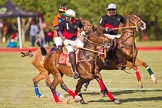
(107, 29)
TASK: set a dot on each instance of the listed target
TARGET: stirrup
(75, 75)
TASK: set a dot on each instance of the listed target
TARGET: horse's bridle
(103, 44)
(136, 23)
(131, 34)
(133, 31)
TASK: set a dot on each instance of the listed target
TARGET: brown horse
(124, 54)
(85, 67)
(37, 60)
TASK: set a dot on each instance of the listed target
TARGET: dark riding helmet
(62, 9)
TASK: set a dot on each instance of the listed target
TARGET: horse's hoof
(103, 93)
(84, 87)
(39, 95)
(140, 86)
(154, 81)
(42, 96)
(77, 98)
(116, 101)
(61, 97)
(83, 101)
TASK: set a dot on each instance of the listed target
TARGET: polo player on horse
(110, 21)
(70, 39)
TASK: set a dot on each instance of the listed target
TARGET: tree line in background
(92, 10)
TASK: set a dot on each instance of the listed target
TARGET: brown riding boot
(114, 43)
(72, 58)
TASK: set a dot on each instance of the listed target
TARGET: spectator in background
(13, 42)
(34, 30)
(49, 36)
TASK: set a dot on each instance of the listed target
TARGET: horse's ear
(126, 14)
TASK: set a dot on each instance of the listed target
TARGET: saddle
(64, 58)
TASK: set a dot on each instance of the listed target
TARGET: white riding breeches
(71, 44)
(58, 41)
(112, 36)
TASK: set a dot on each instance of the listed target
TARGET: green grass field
(16, 86)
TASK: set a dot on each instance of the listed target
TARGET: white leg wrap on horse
(77, 98)
(153, 77)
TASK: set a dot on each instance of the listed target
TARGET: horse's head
(93, 36)
(97, 38)
(133, 23)
(134, 20)
(87, 26)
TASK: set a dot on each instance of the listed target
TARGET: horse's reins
(96, 44)
(90, 42)
(87, 49)
(102, 44)
(129, 27)
(124, 27)
(133, 47)
(127, 38)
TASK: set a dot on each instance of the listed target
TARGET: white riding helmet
(70, 13)
(111, 6)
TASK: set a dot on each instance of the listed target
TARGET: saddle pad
(62, 58)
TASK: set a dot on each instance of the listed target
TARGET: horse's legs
(138, 76)
(36, 61)
(96, 70)
(86, 84)
(35, 81)
(79, 85)
(70, 92)
(53, 90)
(44, 72)
(141, 63)
(103, 88)
(64, 87)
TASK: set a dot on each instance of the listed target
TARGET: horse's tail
(24, 54)
(43, 50)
